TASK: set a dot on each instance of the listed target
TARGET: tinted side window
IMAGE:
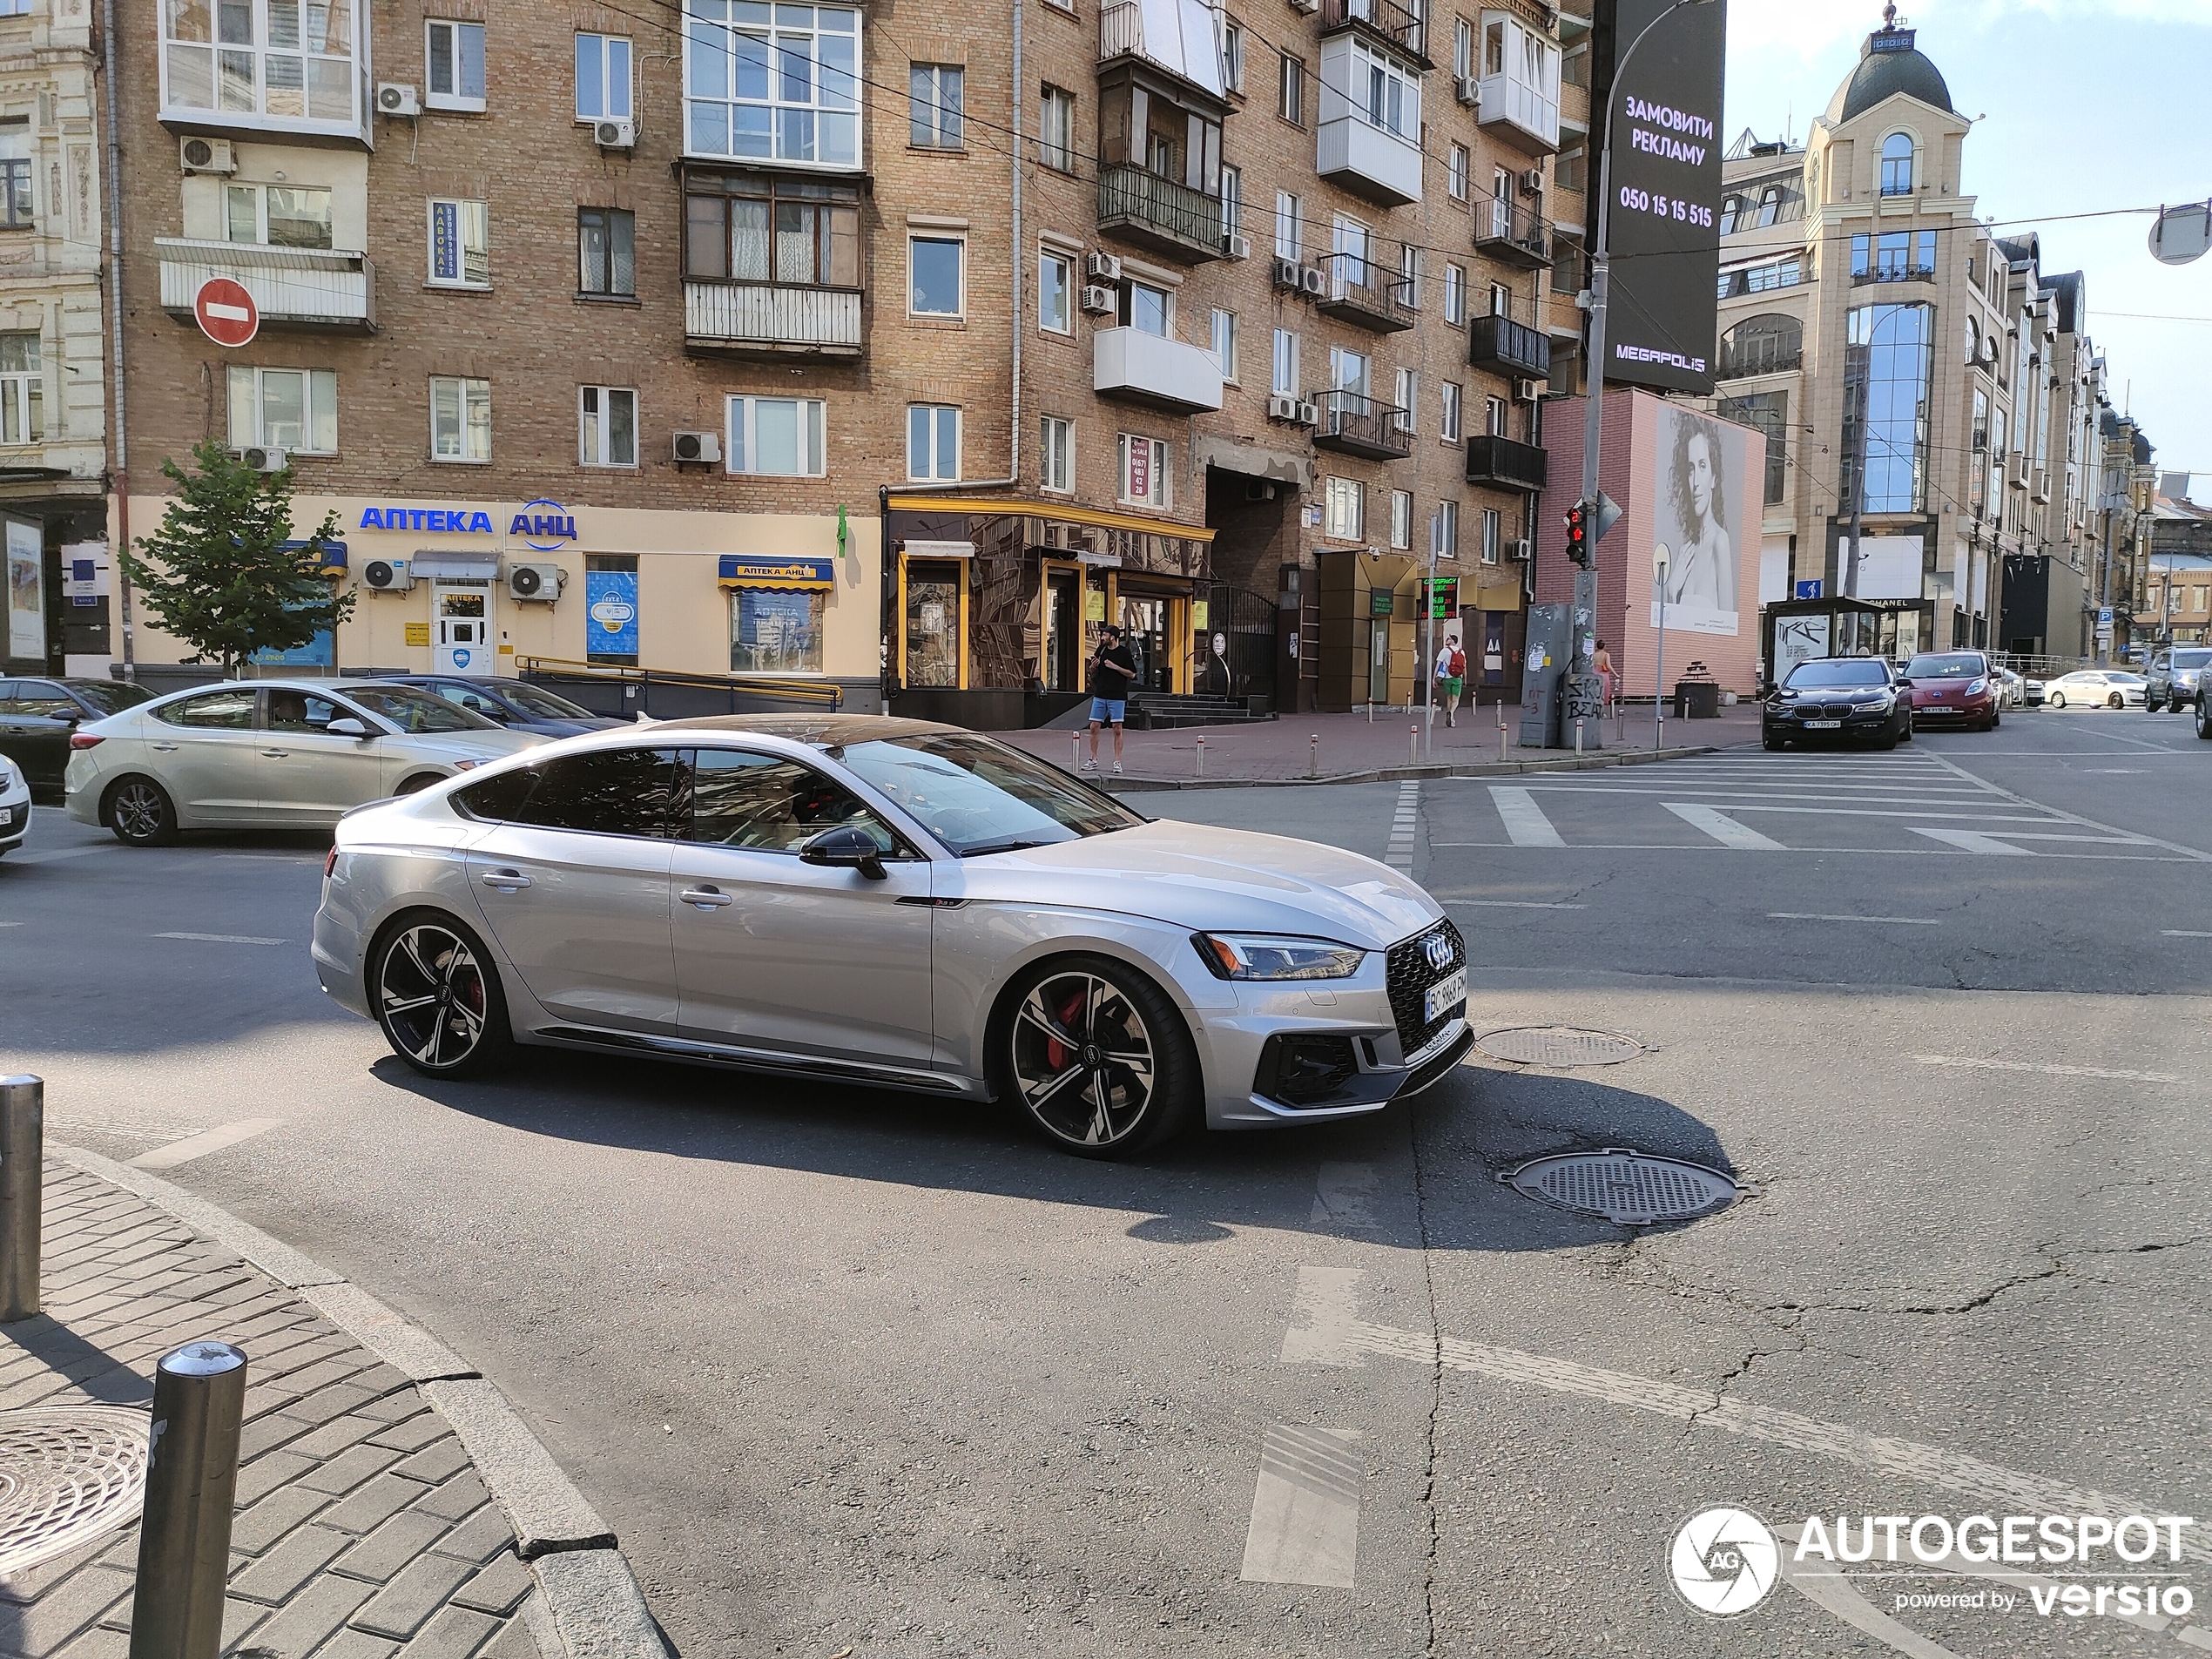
(769, 804)
(230, 710)
(609, 792)
(497, 800)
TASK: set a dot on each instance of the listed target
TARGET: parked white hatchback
(270, 754)
(15, 805)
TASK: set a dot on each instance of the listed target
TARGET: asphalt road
(848, 1370)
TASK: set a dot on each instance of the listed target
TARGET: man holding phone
(1112, 673)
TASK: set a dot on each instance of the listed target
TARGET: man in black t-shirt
(1112, 673)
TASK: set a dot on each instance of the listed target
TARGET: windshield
(540, 704)
(1962, 665)
(979, 796)
(416, 711)
(110, 696)
(1822, 675)
(2192, 659)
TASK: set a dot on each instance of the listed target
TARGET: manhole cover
(72, 1472)
(1559, 1045)
(1627, 1189)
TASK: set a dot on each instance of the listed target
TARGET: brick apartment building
(901, 349)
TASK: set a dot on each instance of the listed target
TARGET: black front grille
(1409, 976)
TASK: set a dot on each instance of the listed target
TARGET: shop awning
(458, 567)
(1064, 512)
(748, 571)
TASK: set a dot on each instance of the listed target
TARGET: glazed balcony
(1177, 37)
(318, 289)
(1158, 214)
(1362, 292)
(1505, 463)
(1504, 346)
(1353, 425)
(772, 319)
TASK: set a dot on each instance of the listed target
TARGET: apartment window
(1233, 55)
(293, 409)
(602, 78)
(933, 118)
(1443, 530)
(1055, 284)
(1501, 299)
(1290, 226)
(1769, 208)
(798, 105)
(1349, 371)
(1458, 173)
(460, 243)
(1455, 295)
(276, 215)
(1343, 509)
(1896, 165)
(816, 240)
(460, 419)
(1284, 383)
(1567, 170)
(608, 430)
(1232, 201)
(1056, 444)
(1401, 520)
(454, 65)
(1409, 268)
(606, 256)
(777, 437)
(1463, 49)
(1449, 423)
(23, 390)
(1224, 343)
(14, 183)
(1387, 95)
(272, 64)
(932, 441)
(1731, 211)
(1143, 470)
(934, 275)
(1290, 90)
(1408, 399)
(1056, 129)
(1493, 528)
(1494, 416)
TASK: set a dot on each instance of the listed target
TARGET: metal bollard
(1412, 745)
(1501, 731)
(1075, 752)
(1578, 738)
(191, 1488)
(23, 1136)
(1201, 756)
(1313, 758)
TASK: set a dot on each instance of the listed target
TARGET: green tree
(225, 573)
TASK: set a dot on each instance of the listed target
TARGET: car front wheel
(1097, 1057)
(2056, 700)
(2115, 701)
(141, 813)
(437, 997)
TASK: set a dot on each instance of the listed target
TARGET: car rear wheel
(437, 997)
(2116, 701)
(141, 813)
(1097, 1057)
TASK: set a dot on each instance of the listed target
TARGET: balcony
(1158, 214)
(1504, 463)
(1353, 425)
(2016, 471)
(292, 287)
(1383, 21)
(1524, 117)
(1763, 355)
(772, 319)
(1362, 292)
(1511, 235)
(1504, 346)
(1176, 35)
(1367, 160)
(1894, 273)
(2042, 491)
(1152, 369)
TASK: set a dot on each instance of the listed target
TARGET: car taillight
(329, 863)
(85, 740)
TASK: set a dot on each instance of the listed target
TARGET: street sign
(2104, 617)
(226, 311)
(2180, 234)
(1608, 514)
(1812, 589)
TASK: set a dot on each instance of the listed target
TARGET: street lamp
(1578, 672)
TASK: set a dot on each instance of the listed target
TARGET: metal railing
(1365, 424)
(822, 695)
(1502, 219)
(1507, 462)
(1360, 283)
(1510, 347)
(1762, 354)
(1134, 195)
(1407, 30)
(770, 314)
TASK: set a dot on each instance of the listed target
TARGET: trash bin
(1697, 700)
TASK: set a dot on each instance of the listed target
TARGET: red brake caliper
(1055, 1052)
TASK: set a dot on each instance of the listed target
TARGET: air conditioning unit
(1518, 552)
(260, 457)
(539, 583)
(206, 155)
(1280, 407)
(1529, 391)
(1285, 273)
(1098, 301)
(1313, 279)
(1532, 182)
(386, 576)
(698, 446)
(1236, 248)
(1103, 267)
(1467, 90)
(1309, 414)
(1305, 8)
(615, 135)
(397, 97)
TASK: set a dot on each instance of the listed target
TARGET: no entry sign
(227, 312)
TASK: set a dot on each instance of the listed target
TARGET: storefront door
(1378, 661)
(934, 614)
(1156, 637)
(461, 625)
(1063, 632)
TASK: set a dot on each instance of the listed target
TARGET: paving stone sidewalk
(362, 1529)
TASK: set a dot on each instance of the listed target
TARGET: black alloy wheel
(2203, 720)
(437, 995)
(141, 813)
(1097, 1057)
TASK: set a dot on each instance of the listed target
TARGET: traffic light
(1578, 541)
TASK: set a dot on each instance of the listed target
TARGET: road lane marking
(1526, 904)
(1305, 1527)
(10, 924)
(2170, 932)
(222, 939)
(2072, 818)
(1524, 820)
(1343, 1195)
(1326, 1330)
(1806, 915)
(1404, 826)
(198, 1146)
(1722, 828)
(1972, 1064)
(1968, 841)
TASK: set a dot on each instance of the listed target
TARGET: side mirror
(346, 726)
(1903, 684)
(845, 847)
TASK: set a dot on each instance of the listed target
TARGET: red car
(1953, 688)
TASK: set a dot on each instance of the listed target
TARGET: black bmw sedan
(1839, 697)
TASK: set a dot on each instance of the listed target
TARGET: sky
(2091, 105)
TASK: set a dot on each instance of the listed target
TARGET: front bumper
(1966, 710)
(1794, 720)
(15, 819)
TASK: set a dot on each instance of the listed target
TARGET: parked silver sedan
(889, 902)
(272, 754)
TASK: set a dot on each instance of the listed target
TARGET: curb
(594, 1606)
(1127, 786)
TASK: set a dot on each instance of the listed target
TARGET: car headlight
(467, 765)
(1274, 956)
(1886, 700)
(1975, 688)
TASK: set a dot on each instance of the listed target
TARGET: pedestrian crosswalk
(1902, 804)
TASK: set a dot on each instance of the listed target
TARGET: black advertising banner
(1665, 118)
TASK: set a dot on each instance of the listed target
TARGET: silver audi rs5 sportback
(892, 903)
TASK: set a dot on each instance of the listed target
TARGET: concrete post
(191, 1488)
(23, 1135)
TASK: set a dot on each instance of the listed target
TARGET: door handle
(505, 880)
(163, 748)
(275, 754)
(705, 898)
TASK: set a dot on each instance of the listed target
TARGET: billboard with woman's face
(1696, 571)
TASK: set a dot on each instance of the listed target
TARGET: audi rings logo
(1724, 1562)
(1438, 949)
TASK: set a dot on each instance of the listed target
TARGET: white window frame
(470, 394)
(1161, 495)
(1166, 296)
(459, 37)
(1462, 49)
(1494, 415)
(1056, 129)
(245, 389)
(1401, 520)
(260, 194)
(22, 395)
(1461, 171)
(1343, 509)
(1350, 371)
(928, 464)
(1232, 54)
(1443, 530)
(601, 452)
(1232, 200)
(740, 432)
(1409, 269)
(946, 127)
(1407, 397)
(1223, 341)
(1047, 258)
(283, 71)
(1056, 450)
(822, 132)
(1501, 300)
(469, 216)
(1453, 412)
(1283, 373)
(1493, 530)
(614, 55)
(1373, 73)
(1455, 294)
(956, 237)
(1290, 226)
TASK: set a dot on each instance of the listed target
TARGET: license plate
(1444, 995)
(1824, 725)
